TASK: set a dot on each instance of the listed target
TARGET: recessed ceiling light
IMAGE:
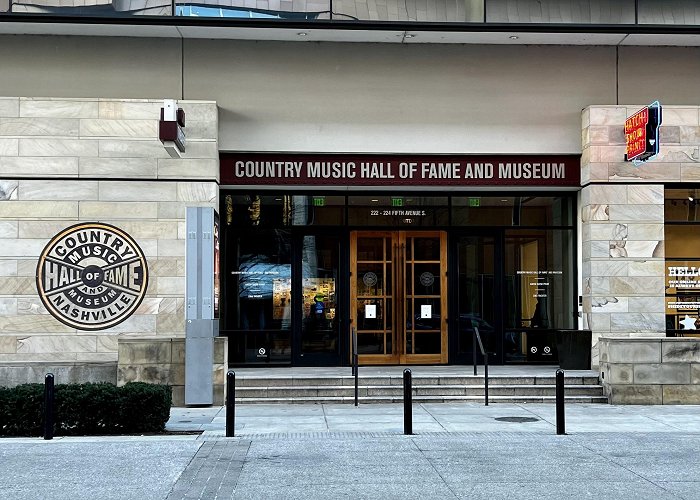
(513, 37)
(375, 201)
(409, 35)
(504, 201)
(690, 198)
(302, 33)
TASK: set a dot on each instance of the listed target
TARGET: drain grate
(517, 420)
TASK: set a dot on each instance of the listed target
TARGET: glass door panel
(319, 328)
(399, 296)
(478, 293)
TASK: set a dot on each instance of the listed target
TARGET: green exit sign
(474, 202)
(397, 202)
(319, 201)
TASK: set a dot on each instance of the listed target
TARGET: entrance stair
(522, 384)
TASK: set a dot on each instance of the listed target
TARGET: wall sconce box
(170, 128)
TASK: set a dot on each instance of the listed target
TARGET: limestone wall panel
(66, 190)
(57, 147)
(9, 147)
(38, 166)
(57, 108)
(118, 167)
(99, 140)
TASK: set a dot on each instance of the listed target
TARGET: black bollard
(561, 425)
(230, 403)
(407, 402)
(48, 405)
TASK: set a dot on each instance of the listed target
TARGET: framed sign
(642, 134)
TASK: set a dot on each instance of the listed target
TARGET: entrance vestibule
(411, 275)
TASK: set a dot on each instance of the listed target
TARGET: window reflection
(679, 12)
(561, 11)
(682, 262)
(511, 211)
(319, 293)
(100, 8)
(258, 299)
(539, 282)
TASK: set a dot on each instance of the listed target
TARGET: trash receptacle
(574, 348)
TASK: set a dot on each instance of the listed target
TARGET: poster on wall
(92, 276)
(683, 295)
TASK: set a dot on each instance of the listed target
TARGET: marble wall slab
(622, 208)
(64, 161)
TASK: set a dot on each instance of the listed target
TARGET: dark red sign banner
(301, 169)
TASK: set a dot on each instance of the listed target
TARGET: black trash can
(574, 348)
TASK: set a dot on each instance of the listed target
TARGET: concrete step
(423, 399)
(281, 381)
(395, 391)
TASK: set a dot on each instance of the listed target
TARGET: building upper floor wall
(595, 12)
(335, 97)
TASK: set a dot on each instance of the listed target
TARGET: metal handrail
(485, 354)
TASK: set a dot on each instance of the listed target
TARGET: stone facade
(65, 161)
(162, 361)
(651, 370)
(622, 214)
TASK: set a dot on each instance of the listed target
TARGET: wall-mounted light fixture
(170, 128)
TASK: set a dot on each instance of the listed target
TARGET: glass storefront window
(561, 11)
(318, 210)
(319, 330)
(398, 210)
(677, 12)
(539, 292)
(511, 211)
(265, 210)
(258, 286)
(96, 8)
(682, 205)
(284, 282)
(682, 266)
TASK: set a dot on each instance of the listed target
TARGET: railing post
(230, 404)
(355, 362)
(486, 378)
(561, 424)
(48, 405)
(407, 402)
(474, 350)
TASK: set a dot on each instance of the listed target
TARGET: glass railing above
(681, 13)
(96, 8)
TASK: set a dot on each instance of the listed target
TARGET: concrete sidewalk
(256, 420)
(459, 451)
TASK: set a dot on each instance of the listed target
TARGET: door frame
(398, 332)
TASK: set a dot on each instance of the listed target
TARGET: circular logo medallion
(427, 279)
(370, 279)
(92, 276)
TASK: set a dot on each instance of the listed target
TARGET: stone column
(622, 232)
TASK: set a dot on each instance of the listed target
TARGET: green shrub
(84, 409)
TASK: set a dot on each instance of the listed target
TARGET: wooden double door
(398, 296)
